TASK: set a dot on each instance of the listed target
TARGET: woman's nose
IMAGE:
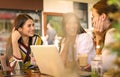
(32, 27)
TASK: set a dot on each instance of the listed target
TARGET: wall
(63, 6)
(22, 4)
(58, 6)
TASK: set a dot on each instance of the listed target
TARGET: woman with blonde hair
(75, 41)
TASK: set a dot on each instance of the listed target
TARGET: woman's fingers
(13, 29)
(98, 25)
(15, 35)
(101, 24)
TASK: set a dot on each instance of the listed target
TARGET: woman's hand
(15, 35)
(3, 60)
(98, 25)
(87, 68)
(33, 61)
(99, 29)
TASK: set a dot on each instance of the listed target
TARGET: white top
(84, 44)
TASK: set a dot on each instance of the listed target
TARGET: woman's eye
(33, 24)
(29, 25)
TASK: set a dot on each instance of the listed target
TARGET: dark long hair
(18, 22)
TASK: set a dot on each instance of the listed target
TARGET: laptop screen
(48, 59)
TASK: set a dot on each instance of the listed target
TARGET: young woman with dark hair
(18, 45)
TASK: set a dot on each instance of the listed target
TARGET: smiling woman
(18, 46)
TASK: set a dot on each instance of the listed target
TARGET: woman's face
(28, 28)
(95, 16)
(71, 27)
(100, 22)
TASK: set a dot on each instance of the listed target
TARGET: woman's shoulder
(37, 38)
(111, 30)
(110, 34)
(109, 37)
(36, 35)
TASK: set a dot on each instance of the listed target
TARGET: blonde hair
(66, 18)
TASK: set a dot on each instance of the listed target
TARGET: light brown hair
(103, 7)
(65, 20)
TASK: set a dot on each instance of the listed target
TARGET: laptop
(48, 59)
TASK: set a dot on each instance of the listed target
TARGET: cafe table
(32, 73)
(25, 73)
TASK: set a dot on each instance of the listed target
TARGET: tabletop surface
(25, 73)
(32, 73)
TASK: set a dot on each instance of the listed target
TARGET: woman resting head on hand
(18, 46)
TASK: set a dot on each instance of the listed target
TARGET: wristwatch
(97, 46)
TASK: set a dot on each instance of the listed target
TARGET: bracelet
(98, 47)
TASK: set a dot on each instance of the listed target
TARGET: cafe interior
(49, 63)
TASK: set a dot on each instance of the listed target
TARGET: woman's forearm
(16, 50)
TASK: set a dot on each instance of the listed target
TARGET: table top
(25, 73)
(33, 73)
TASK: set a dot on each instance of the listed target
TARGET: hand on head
(99, 25)
(15, 35)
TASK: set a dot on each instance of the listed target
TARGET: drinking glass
(97, 68)
(83, 60)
